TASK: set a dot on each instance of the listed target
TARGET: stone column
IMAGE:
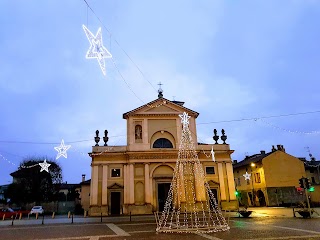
(147, 183)
(221, 182)
(125, 184)
(231, 181)
(131, 200)
(179, 132)
(94, 185)
(105, 174)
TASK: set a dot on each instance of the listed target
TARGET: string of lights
(287, 130)
(222, 121)
(190, 205)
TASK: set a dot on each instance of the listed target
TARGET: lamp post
(253, 195)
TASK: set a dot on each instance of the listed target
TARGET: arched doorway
(162, 177)
(262, 200)
(162, 143)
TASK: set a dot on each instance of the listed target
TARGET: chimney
(273, 149)
(313, 159)
(279, 147)
(283, 149)
(263, 152)
(235, 161)
(83, 177)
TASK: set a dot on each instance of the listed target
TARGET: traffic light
(301, 182)
(311, 189)
(237, 193)
(308, 185)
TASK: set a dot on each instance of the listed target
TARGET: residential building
(136, 178)
(84, 193)
(274, 178)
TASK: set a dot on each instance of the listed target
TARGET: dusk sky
(227, 60)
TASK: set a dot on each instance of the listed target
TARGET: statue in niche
(138, 132)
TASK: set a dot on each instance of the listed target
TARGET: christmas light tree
(191, 205)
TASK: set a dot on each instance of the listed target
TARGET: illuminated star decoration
(212, 154)
(97, 50)
(44, 166)
(247, 176)
(62, 149)
(184, 118)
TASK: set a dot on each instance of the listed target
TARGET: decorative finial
(215, 137)
(160, 91)
(105, 138)
(97, 138)
(223, 137)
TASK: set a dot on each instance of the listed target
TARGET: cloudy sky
(227, 60)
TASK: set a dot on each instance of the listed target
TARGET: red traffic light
(299, 189)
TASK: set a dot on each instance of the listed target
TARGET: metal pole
(72, 218)
(306, 192)
(42, 218)
(12, 220)
(101, 217)
(253, 198)
(130, 216)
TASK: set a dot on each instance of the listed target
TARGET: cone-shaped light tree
(191, 205)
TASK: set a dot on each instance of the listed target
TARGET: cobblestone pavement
(143, 227)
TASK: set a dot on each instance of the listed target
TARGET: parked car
(9, 212)
(37, 209)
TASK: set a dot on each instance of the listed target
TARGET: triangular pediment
(160, 106)
(115, 186)
(161, 109)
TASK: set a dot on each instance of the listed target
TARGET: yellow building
(136, 177)
(274, 178)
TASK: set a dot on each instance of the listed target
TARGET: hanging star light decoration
(44, 166)
(97, 50)
(247, 176)
(212, 154)
(62, 150)
(184, 118)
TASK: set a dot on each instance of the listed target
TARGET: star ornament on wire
(247, 176)
(62, 150)
(44, 166)
(212, 154)
(97, 50)
(184, 118)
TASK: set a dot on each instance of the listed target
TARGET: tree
(31, 185)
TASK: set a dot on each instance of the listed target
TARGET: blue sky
(225, 59)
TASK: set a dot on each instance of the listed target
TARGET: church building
(136, 178)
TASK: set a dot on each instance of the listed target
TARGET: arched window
(138, 132)
(162, 143)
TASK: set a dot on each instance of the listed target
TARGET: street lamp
(253, 196)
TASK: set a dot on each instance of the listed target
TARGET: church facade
(136, 178)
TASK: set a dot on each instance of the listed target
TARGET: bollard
(130, 216)
(42, 219)
(72, 218)
(29, 215)
(20, 216)
(12, 220)
(101, 218)
(85, 214)
(4, 216)
(37, 215)
(294, 214)
(69, 214)
(53, 214)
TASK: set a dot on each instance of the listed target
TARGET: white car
(37, 209)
